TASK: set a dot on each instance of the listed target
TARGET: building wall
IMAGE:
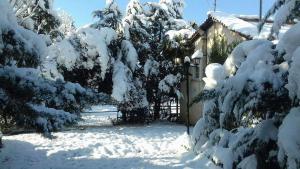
(195, 87)
(196, 84)
(218, 29)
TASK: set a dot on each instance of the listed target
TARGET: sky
(195, 10)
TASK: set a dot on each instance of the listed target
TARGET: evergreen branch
(204, 95)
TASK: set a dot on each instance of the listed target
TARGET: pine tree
(84, 57)
(37, 15)
(135, 29)
(163, 19)
(284, 11)
(27, 99)
(67, 26)
(110, 16)
(127, 88)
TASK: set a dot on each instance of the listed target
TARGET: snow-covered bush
(29, 100)
(251, 104)
(245, 97)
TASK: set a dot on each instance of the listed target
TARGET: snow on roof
(248, 29)
(234, 23)
(197, 54)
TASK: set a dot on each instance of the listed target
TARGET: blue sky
(195, 10)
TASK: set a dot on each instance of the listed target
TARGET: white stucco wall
(196, 85)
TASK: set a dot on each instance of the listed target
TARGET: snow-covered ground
(159, 145)
(156, 146)
(99, 116)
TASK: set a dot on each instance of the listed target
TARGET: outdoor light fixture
(177, 61)
(197, 61)
(196, 57)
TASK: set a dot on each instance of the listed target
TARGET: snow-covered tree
(110, 16)
(84, 57)
(166, 26)
(27, 99)
(131, 94)
(284, 11)
(135, 29)
(127, 87)
(67, 26)
(37, 15)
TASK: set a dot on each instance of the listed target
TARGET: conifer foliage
(50, 70)
(110, 16)
(28, 99)
(251, 105)
(36, 15)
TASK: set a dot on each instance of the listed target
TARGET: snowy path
(159, 145)
(155, 146)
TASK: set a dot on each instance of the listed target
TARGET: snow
(289, 42)
(65, 53)
(199, 137)
(283, 14)
(187, 59)
(96, 43)
(267, 28)
(121, 77)
(130, 53)
(240, 53)
(159, 145)
(7, 16)
(223, 156)
(215, 73)
(67, 23)
(294, 76)
(233, 22)
(46, 116)
(266, 131)
(99, 144)
(151, 67)
(290, 47)
(167, 83)
(187, 33)
(248, 163)
(31, 42)
(102, 115)
(197, 54)
(257, 67)
(289, 140)
(134, 7)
